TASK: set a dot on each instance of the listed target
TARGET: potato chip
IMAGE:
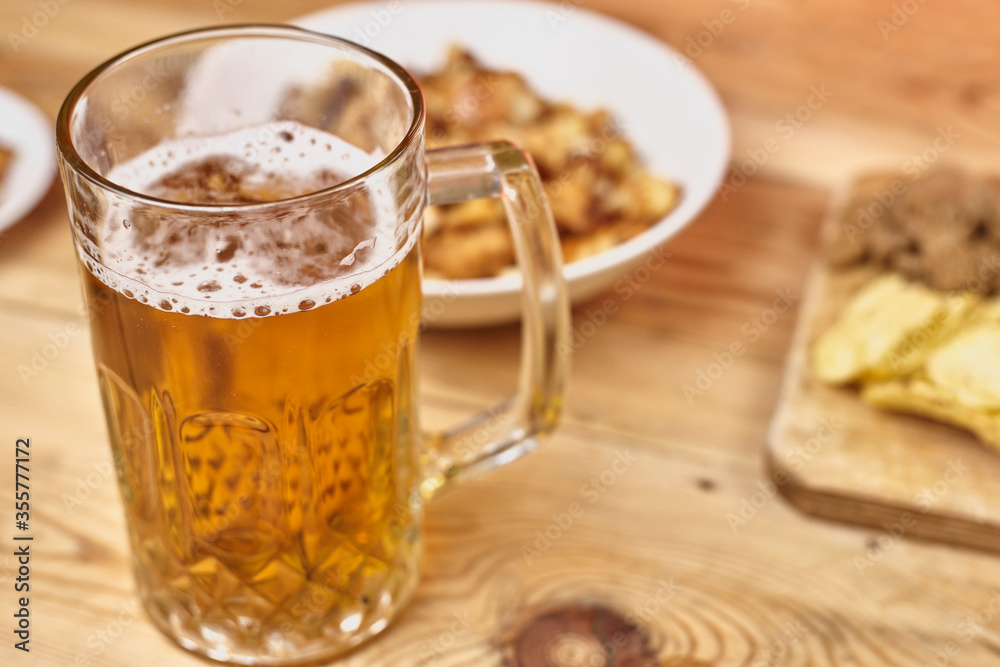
(924, 398)
(967, 366)
(912, 351)
(881, 328)
(987, 311)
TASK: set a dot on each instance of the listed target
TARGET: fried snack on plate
(599, 193)
(485, 250)
(351, 104)
(6, 157)
(885, 329)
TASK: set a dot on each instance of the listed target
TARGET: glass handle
(513, 428)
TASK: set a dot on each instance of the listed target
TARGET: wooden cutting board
(836, 457)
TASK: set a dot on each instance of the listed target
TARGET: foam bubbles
(247, 268)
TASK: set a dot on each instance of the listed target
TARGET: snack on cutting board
(942, 230)
(886, 329)
(927, 343)
(599, 193)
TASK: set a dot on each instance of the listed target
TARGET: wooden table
(782, 588)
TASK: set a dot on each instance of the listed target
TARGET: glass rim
(69, 154)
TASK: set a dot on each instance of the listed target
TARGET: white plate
(28, 132)
(665, 107)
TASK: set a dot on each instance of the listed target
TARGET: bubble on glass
(207, 286)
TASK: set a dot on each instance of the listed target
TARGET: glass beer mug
(246, 204)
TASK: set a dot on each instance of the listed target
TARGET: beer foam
(249, 268)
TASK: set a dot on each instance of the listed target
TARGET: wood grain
(781, 590)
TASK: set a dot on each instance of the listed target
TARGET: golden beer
(266, 458)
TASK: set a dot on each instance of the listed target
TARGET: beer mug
(246, 204)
